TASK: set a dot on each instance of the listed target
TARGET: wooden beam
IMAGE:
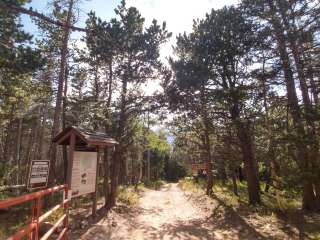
(63, 138)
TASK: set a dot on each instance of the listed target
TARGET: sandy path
(169, 214)
(163, 214)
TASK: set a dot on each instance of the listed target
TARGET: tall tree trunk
(140, 169)
(114, 176)
(207, 141)
(309, 116)
(36, 129)
(31, 148)
(148, 147)
(309, 198)
(123, 171)
(313, 85)
(271, 159)
(247, 147)
(64, 124)
(250, 163)
(133, 174)
(234, 182)
(208, 160)
(108, 163)
(8, 135)
(96, 94)
(58, 106)
(18, 150)
(118, 155)
(44, 112)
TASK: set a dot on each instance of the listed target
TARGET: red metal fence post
(66, 211)
(32, 229)
(33, 213)
(38, 209)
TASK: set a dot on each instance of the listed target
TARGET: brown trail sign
(196, 167)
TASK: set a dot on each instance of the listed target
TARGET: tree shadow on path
(227, 220)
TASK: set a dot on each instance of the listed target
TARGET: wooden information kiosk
(83, 160)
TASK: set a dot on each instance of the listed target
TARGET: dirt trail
(162, 214)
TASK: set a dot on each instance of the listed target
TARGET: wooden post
(95, 193)
(68, 191)
(106, 176)
(70, 159)
(66, 211)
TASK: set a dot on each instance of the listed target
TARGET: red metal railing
(32, 229)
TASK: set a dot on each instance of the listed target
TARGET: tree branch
(33, 13)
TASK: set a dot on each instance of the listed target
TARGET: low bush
(271, 202)
(190, 184)
(155, 185)
(127, 195)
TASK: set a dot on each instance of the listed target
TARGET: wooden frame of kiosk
(83, 160)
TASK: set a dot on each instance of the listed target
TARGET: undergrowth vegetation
(128, 195)
(280, 209)
(155, 185)
(272, 201)
(18, 216)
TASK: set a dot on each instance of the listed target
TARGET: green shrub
(127, 196)
(156, 185)
(191, 185)
(282, 201)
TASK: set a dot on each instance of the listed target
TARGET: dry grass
(272, 202)
(189, 185)
(154, 185)
(280, 212)
(128, 195)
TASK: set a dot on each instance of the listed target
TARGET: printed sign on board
(84, 169)
(38, 174)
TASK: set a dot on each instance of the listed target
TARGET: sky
(178, 14)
